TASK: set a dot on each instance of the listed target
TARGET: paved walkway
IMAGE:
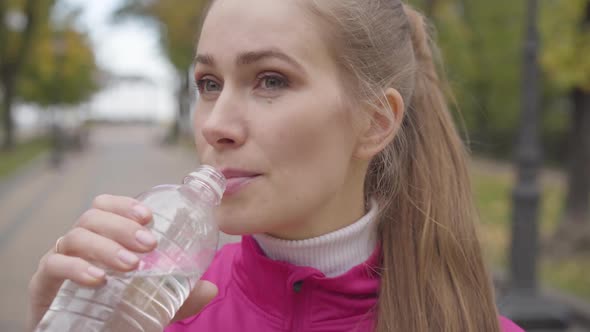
(39, 205)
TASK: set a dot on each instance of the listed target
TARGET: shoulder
(506, 325)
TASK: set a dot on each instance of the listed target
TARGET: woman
(328, 119)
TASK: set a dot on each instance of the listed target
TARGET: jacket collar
(275, 287)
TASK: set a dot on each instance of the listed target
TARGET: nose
(223, 126)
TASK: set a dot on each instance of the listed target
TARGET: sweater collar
(334, 253)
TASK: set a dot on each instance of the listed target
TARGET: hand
(108, 235)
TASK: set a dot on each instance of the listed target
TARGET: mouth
(237, 180)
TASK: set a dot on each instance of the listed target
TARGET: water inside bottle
(141, 303)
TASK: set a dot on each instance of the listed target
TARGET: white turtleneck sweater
(334, 253)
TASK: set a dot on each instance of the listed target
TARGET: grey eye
(206, 85)
(273, 82)
(212, 86)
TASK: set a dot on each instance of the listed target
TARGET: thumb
(201, 295)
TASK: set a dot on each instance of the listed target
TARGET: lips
(237, 179)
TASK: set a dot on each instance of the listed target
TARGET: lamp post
(59, 50)
(524, 304)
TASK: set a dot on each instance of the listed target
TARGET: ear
(381, 125)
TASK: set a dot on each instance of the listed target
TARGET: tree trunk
(10, 69)
(7, 119)
(573, 233)
(3, 31)
(480, 135)
(429, 6)
(182, 105)
(577, 209)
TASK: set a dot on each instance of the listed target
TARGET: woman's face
(273, 116)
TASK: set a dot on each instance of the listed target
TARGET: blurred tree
(19, 22)
(429, 7)
(480, 42)
(30, 66)
(566, 31)
(64, 79)
(178, 22)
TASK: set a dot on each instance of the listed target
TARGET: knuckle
(69, 241)
(74, 234)
(49, 265)
(88, 216)
(101, 200)
(43, 262)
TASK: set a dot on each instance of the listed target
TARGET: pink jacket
(259, 294)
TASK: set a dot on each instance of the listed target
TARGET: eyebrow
(248, 58)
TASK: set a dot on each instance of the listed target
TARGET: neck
(333, 253)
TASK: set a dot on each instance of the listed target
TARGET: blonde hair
(433, 275)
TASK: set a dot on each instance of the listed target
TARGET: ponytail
(434, 277)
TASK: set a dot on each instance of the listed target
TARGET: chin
(235, 226)
(235, 229)
(237, 217)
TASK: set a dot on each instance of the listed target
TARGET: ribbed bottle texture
(148, 298)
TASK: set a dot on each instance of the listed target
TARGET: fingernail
(145, 238)
(127, 257)
(95, 272)
(141, 211)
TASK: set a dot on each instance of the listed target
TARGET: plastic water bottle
(148, 298)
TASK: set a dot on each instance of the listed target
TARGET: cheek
(315, 132)
(312, 146)
(200, 143)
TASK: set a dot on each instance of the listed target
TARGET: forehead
(235, 26)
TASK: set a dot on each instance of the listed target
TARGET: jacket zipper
(299, 306)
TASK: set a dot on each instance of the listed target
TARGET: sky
(130, 48)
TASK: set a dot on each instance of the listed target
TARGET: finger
(120, 229)
(55, 268)
(203, 293)
(123, 206)
(92, 247)
(50, 275)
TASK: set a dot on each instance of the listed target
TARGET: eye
(207, 85)
(273, 82)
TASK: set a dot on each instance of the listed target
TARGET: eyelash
(201, 83)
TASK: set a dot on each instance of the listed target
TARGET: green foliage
(566, 36)
(492, 186)
(49, 78)
(482, 46)
(12, 41)
(40, 77)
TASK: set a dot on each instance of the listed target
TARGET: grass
(20, 155)
(493, 197)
